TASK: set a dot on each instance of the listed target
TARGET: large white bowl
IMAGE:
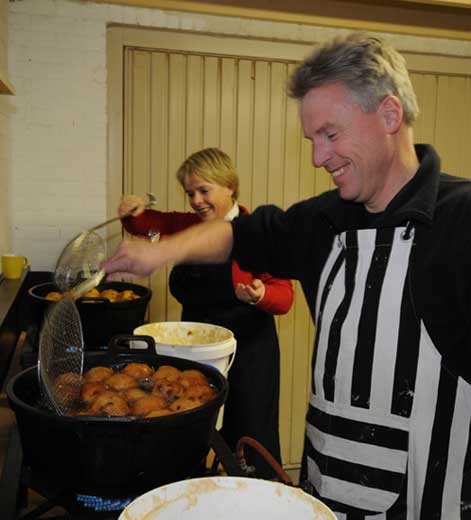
(185, 333)
(226, 498)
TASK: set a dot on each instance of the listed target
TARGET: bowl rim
(141, 329)
(175, 490)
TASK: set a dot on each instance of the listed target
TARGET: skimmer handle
(151, 202)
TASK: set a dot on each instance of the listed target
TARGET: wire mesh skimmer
(61, 357)
(78, 268)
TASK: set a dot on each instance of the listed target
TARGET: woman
(225, 295)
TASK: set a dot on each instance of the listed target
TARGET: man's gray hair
(368, 67)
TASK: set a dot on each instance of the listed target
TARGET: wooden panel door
(177, 103)
(445, 118)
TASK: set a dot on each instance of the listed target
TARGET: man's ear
(392, 113)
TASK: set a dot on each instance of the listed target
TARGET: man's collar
(417, 199)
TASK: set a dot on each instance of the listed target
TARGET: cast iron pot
(101, 319)
(114, 456)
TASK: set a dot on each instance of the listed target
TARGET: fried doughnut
(192, 377)
(133, 394)
(98, 373)
(85, 411)
(67, 387)
(202, 392)
(128, 295)
(92, 293)
(120, 381)
(138, 370)
(91, 389)
(167, 372)
(148, 404)
(109, 403)
(53, 296)
(169, 390)
(68, 378)
(159, 413)
(184, 404)
(193, 374)
(110, 294)
(188, 381)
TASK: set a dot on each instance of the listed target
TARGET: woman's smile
(209, 200)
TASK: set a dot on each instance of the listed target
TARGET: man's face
(350, 144)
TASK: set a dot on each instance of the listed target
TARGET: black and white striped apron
(388, 425)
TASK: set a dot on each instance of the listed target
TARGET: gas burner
(17, 480)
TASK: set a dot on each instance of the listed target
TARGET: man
(383, 261)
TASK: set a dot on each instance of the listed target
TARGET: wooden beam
(436, 18)
(466, 4)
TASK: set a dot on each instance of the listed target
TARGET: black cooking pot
(101, 319)
(114, 456)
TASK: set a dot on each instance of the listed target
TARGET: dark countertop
(10, 294)
(9, 290)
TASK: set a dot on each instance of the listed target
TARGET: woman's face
(209, 200)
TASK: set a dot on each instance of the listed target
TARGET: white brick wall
(58, 129)
(5, 111)
(57, 51)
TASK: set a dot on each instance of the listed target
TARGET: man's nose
(320, 154)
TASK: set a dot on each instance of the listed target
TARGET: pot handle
(121, 342)
(87, 299)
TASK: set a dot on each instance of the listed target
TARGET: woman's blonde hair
(213, 165)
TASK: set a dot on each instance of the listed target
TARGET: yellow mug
(13, 266)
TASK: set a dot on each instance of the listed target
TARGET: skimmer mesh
(60, 361)
(79, 261)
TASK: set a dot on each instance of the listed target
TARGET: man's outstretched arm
(205, 243)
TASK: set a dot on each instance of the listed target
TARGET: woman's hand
(130, 202)
(252, 292)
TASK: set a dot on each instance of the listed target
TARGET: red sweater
(279, 293)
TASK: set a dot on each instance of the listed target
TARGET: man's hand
(133, 259)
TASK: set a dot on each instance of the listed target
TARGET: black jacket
(295, 244)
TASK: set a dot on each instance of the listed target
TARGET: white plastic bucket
(203, 342)
(226, 498)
